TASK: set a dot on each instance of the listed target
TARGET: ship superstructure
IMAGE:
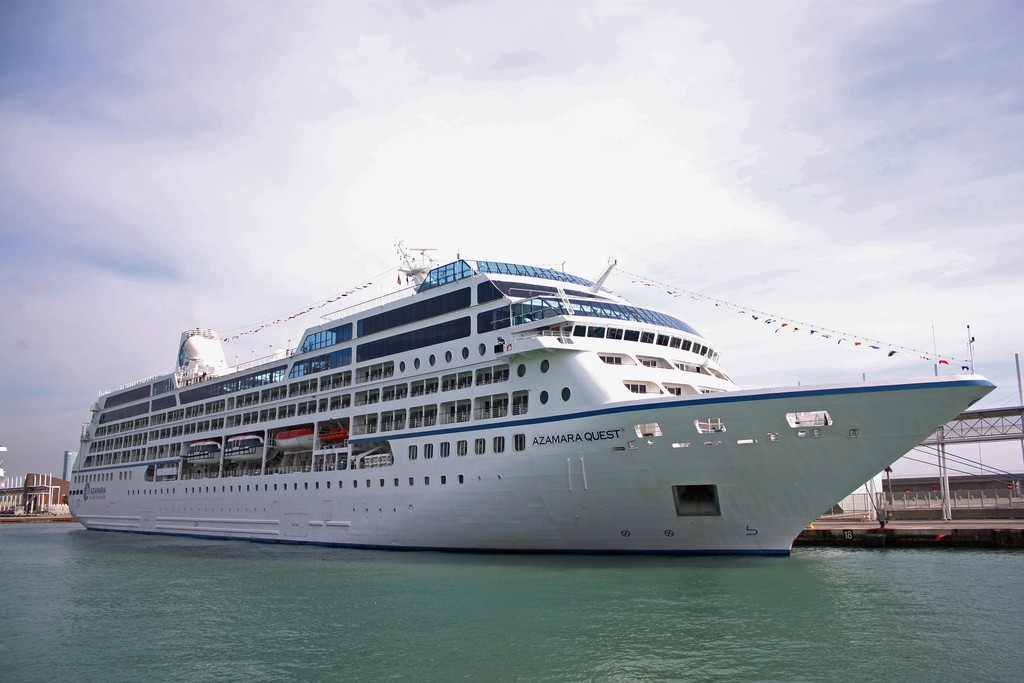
(493, 406)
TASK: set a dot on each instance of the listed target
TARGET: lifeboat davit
(298, 439)
(244, 448)
(203, 453)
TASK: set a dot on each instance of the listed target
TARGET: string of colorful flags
(782, 323)
(297, 314)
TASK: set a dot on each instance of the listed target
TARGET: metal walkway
(976, 426)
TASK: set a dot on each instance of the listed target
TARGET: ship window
(814, 418)
(480, 446)
(412, 451)
(647, 337)
(566, 394)
(462, 479)
(499, 444)
(421, 310)
(519, 442)
(428, 450)
(648, 429)
(446, 449)
(444, 479)
(597, 332)
(426, 481)
(696, 500)
(462, 447)
(614, 333)
(709, 425)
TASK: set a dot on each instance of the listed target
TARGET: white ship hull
(585, 482)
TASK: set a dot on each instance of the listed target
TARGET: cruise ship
(491, 406)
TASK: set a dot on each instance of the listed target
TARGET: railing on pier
(861, 505)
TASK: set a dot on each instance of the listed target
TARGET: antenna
(416, 268)
(970, 348)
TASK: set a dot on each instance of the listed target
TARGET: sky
(846, 166)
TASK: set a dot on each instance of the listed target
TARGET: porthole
(545, 365)
(432, 360)
(401, 366)
(543, 397)
(566, 393)
(482, 349)
(521, 370)
(465, 352)
(447, 356)
(416, 363)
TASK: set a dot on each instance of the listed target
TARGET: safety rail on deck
(376, 302)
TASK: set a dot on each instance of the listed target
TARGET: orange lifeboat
(334, 436)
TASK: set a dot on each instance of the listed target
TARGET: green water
(93, 606)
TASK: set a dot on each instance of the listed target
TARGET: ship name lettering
(573, 437)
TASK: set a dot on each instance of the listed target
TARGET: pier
(967, 533)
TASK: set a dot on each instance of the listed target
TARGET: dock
(35, 519)
(928, 533)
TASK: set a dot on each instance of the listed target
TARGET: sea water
(83, 605)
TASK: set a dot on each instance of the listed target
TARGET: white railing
(376, 302)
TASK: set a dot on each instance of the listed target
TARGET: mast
(415, 268)
(604, 276)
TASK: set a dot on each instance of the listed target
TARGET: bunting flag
(297, 314)
(781, 323)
